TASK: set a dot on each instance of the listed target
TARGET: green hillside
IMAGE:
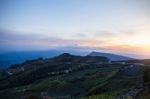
(70, 77)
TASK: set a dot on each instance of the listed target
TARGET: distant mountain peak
(112, 57)
(65, 54)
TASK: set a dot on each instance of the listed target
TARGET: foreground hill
(112, 57)
(32, 70)
(67, 76)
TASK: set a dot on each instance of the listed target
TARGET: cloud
(15, 41)
(80, 35)
(28, 42)
(18, 41)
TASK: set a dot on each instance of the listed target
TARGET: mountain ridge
(112, 57)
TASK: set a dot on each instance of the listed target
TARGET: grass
(102, 96)
(81, 83)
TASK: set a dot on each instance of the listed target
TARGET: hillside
(142, 61)
(112, 57)
(68, 76)
(10, 58)
(29, 71)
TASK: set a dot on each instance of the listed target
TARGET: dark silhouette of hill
(112, 57)
(68, 75)
(32, 70)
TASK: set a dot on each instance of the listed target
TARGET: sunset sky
(116, 26)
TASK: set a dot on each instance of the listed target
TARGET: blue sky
(119, 25)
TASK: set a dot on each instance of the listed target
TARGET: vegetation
(67, 76)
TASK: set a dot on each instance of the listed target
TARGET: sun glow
(138, 41)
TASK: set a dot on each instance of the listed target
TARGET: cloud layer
(12, 41)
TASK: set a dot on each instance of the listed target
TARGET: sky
(116, 26)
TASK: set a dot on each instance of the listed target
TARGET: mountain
(59, 62)
(68, 76)
(112, 57)
(33, 70)
(10, 58)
